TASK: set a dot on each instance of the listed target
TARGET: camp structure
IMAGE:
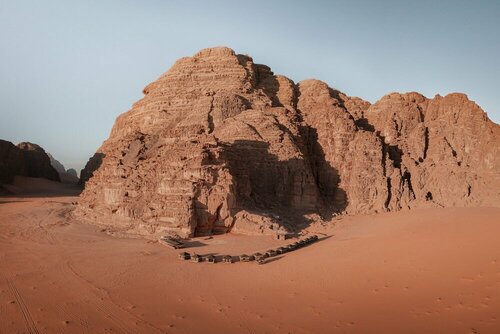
(271, 253)
(309, 240)
(196, 258)
(211, 259)
(170, 242)
(281, 236)
(281, 250)
(259, 256)
(246, 258)
(184, 256)
(227, 259)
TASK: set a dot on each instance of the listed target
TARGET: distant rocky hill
(72, 172)
(220, 143)
(25, 159)
(56, 164)
(67, 176)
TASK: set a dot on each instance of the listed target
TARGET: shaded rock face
(92, 165)
(220, 143)
(11, 161)
(37, 162)
(66, 176)
(25, 159)
(59, 167)
(72, 172)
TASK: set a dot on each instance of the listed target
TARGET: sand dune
(432, 271)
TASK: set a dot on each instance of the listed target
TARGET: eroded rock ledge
(220, 143)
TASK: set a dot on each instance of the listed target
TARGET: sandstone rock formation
(220, 143)
(11, 161)
(59, 167)
(25, 159)
(66, 176)
(92, 165)
(72, 172)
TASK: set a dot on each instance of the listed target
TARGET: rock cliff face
(66, 176)
(25, 159)
(59, 167)
(220, 143)
(11, 161)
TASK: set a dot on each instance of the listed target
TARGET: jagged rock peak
(218, 51)
(27, 146)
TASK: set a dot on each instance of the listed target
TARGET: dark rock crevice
(210, 119)
(426, 142)
(389, 194)
(406, 179)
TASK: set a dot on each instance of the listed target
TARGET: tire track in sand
(66, 266)
(99, 298)
(28, 320)
(111, 310)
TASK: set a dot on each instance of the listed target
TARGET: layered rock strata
(219, 143)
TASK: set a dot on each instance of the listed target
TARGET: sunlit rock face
(219, 143)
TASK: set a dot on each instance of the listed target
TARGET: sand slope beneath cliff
(34, 186)
(431, 271)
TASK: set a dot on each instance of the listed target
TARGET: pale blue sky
(69, 68)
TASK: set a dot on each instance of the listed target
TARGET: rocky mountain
(67, 176)
(220, 143)
(72, 172)
(25, 159)
(59, 167)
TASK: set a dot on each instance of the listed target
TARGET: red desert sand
(425, 271)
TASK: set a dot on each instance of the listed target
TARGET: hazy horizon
(69, 68)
